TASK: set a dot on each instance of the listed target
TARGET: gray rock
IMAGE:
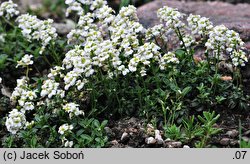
(186, 146)
(174, 144)
(236, 17)
(232, 133)
(158, 137)
(114, 142)
(64, 28)
(5, 91)
(150, 140)
(246, 139)
(234, 142)
(225, 141)
(124, 137)
(247, 133)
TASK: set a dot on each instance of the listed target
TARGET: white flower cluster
(156, 31)
(68, 143)
(222, 40)
(86, 30)
(168, 58)
(76, 5)
(50, 88)
(29, 124)
(72, 109)
(199, 25)
(25, 61)
(15, 121)
(54, 72)
(1, 80)
(105, 15)
(125, 30)
(239, 58)
(65, 128)
(24, 95)
(188, 41)
(107, 56)
(8, 9)
(146, 53)
(172, 17)
(36, 29)
(80, 64)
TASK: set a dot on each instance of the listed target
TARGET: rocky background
(236, 17)
(133, 132)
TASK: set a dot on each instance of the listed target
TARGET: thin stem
(178, 32)
(46, 59)
(27, 71)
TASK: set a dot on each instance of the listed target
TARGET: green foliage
(173, 132)
(192, 129)
(243, 143)
(208, 121)
(170, 94)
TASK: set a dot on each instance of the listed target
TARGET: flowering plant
(117, 67)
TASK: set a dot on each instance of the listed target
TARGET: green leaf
(96, 123)
(79, 132)
(104, 123)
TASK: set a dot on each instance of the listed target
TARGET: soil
(137, 132)
(134, 132)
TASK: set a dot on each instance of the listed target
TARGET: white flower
(29, 124)
(171, 17)
(15, 121)
(2, 37)
(0, 80)
(22, 93)
(188, 41)
(36, 29)
(65, 128)
(8, 9)
(199, 25)
(57, 70)
(74, 6)
(239, 58)
(68, 144)
(166, 59)
(222, 40)
(50, 88)
(72, 109)
(157, 31)
(69, 1)
(25, 61)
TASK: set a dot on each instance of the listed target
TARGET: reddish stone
(236, 17)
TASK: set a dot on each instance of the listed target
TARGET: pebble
(168, 140)
(158, 137)
(114, 142)
(232, 133)
(125, 137)
(64, 28)
(245, 139)
(150, 140)
(150, 129)
(174, 144)
(247, 133)
(5, 91)
(234, 142)
(225, 141)
(186, 146)
(132, 120)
